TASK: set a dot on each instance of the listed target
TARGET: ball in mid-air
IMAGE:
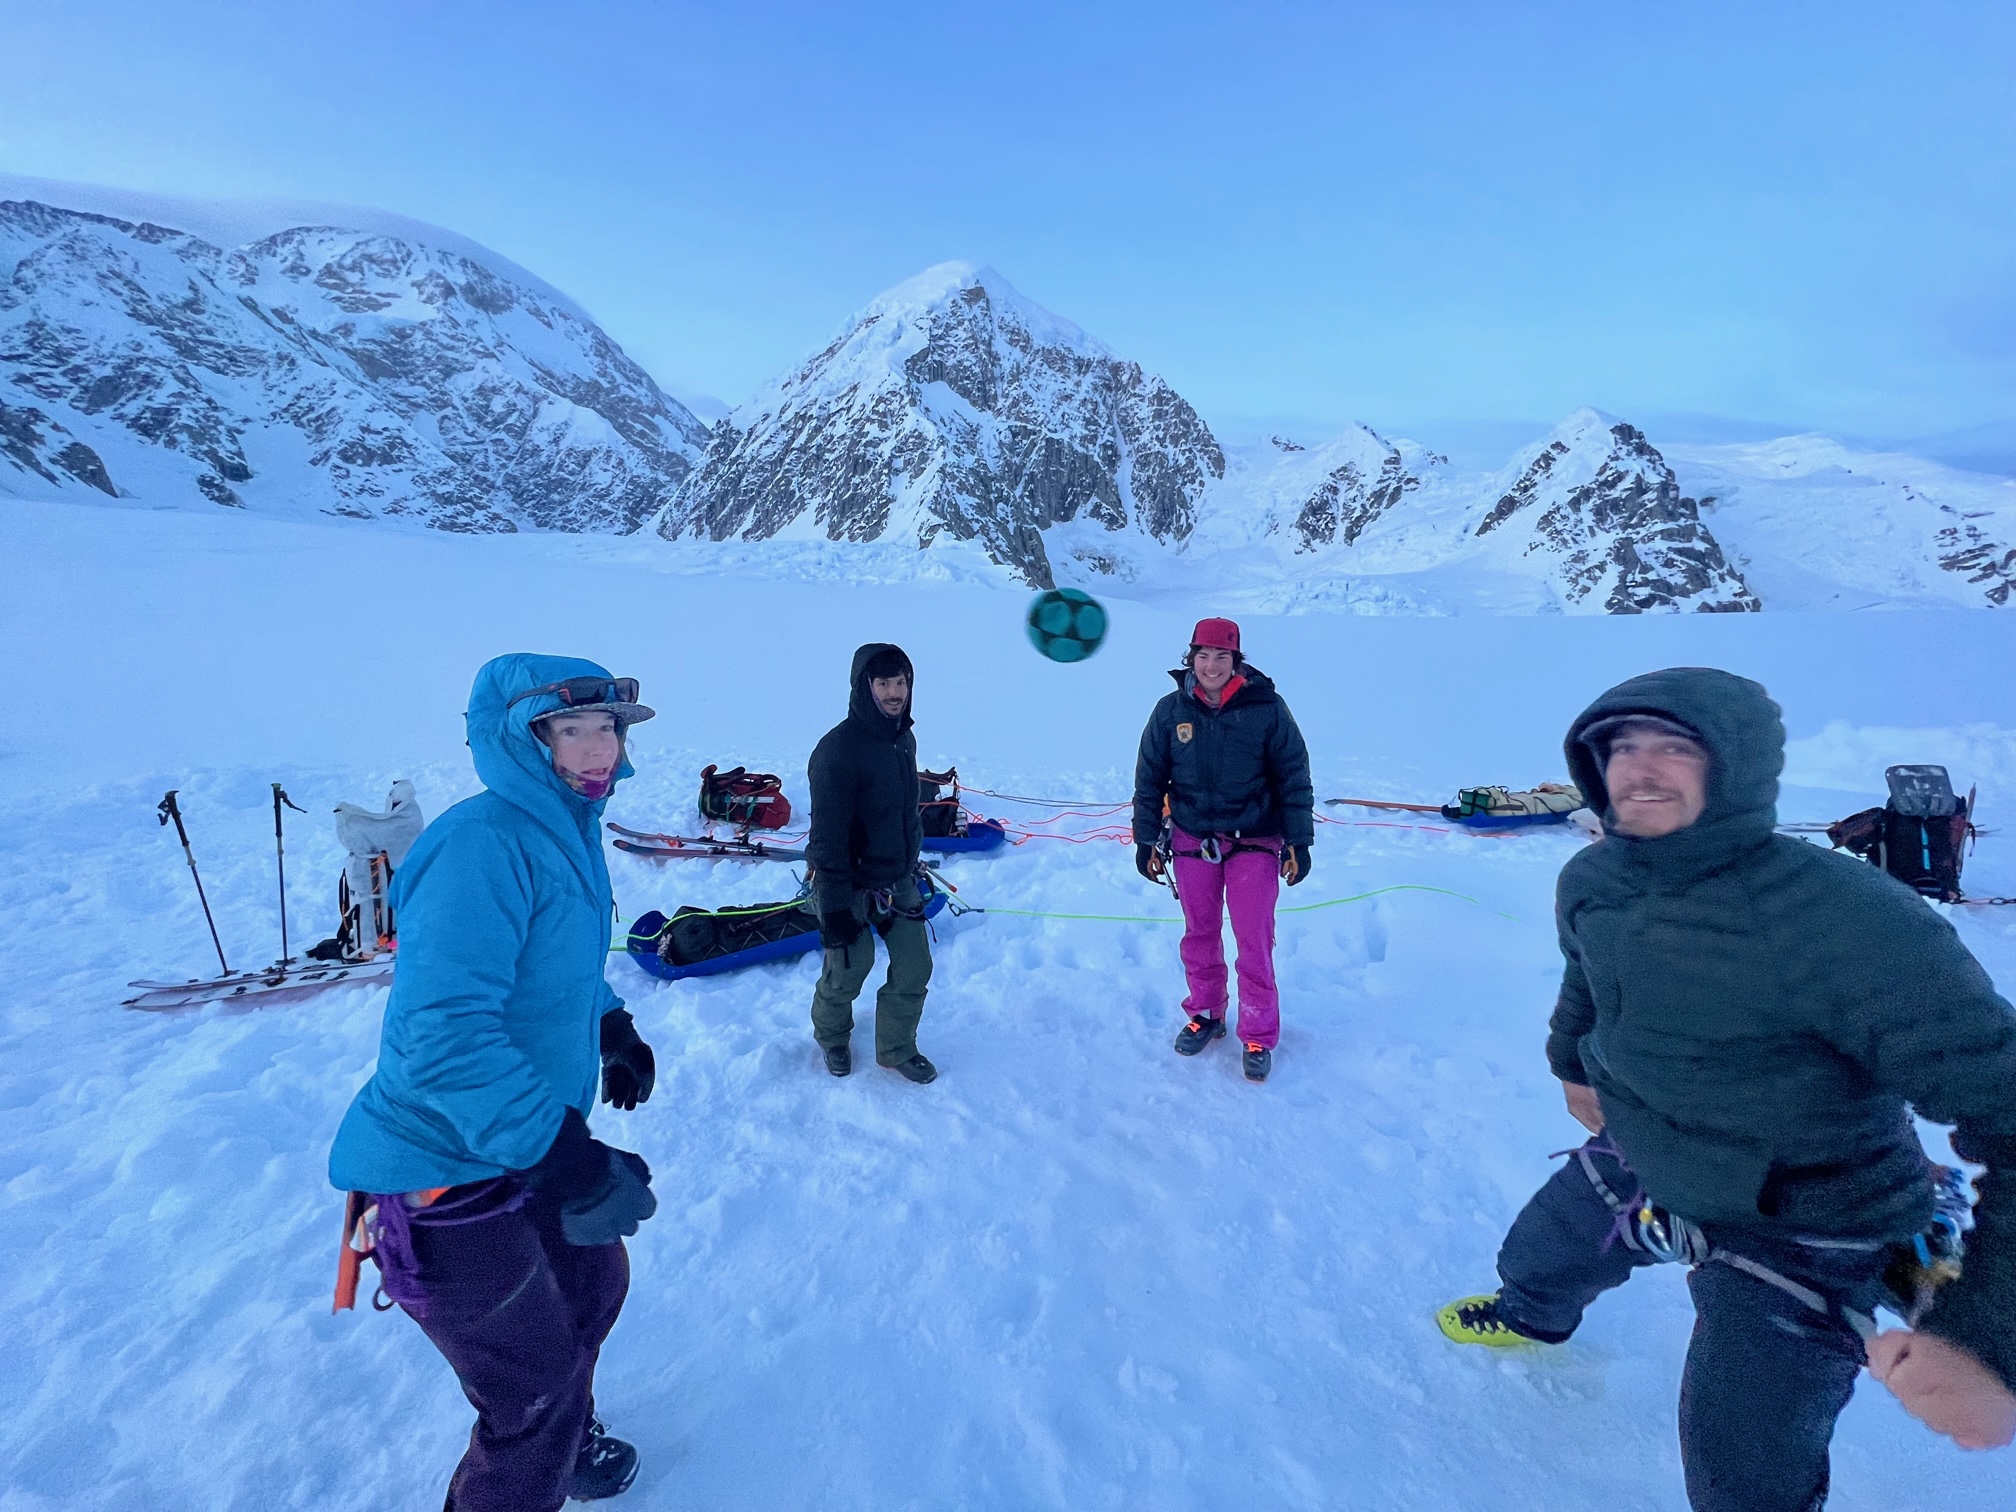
(1066, 624)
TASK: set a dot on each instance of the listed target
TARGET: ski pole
(168, 809)
(280, 858)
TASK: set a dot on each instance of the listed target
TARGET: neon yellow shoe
(1475, 1320)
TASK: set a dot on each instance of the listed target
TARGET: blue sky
(1799, 215)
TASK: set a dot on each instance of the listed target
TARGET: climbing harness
(1214, 848)
(1914, 1274)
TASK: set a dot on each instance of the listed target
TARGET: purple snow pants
(1248, 881)
(521, 1314)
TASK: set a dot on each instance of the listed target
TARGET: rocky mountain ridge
(320, 368)
(377, 369)
(1601, 506)
(954, 407)
(951, 406)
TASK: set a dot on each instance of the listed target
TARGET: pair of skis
(286, 979)
(658, 847)
(282, 982)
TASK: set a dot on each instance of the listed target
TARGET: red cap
(1219, 634)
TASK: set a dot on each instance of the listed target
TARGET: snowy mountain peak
(938, 287)
(1598, 505)
(951, 405)
(352, 371)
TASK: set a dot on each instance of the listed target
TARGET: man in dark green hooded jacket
(1746, 1022)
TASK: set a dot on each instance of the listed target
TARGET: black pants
(1767, 1374)
(521, 1314)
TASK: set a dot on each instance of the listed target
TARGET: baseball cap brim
(1604, 731)
(626, 714)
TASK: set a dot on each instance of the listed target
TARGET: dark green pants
(900, 1003)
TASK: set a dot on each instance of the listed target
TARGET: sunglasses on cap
(574, 692)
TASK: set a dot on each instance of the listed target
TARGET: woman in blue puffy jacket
(500, 1219)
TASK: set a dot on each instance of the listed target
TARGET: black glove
(1148, 862)
(603, 1193)
(629, 1069)
(1295, 863)
(839, 929)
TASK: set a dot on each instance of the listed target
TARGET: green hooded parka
(1759, 1016)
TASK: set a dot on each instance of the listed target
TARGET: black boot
(1256, 1062)
(917, 1069)
(1199, 1032)
(604, 1467)
(839, 1059)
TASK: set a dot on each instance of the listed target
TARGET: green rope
(1032, 913)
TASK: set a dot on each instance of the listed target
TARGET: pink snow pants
(1250, 882)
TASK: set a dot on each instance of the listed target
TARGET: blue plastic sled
(642, 946)
(1510, 821)
(981, 835)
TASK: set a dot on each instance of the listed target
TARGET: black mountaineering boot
(1199, 1032)
(604, 1466)
(839, 1059)
(1256, 1062)
(917, 1069)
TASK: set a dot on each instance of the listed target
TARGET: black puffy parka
(1238, 769)
(1758, 1016)
(867, 831)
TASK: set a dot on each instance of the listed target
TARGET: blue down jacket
(504, 911)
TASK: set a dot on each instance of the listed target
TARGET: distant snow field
(1077, 1272)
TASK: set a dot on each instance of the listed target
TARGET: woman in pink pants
(1223, 767)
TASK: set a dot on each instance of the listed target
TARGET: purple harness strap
(1623, 1210)
(392, 1232)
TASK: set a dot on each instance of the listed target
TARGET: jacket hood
(517, 766)
(1745, 736)
(861, 706)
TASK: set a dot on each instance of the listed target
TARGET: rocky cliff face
(1979, 559)
(353, 372)
(1598, 510)
(953, 407)
(38, 445)
(1326, 496)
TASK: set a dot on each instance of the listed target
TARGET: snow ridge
(318, 368)
(1817, 524)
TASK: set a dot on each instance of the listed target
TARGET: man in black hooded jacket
(1746, 1022)
(867, 833)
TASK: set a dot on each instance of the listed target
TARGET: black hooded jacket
(1756, 1013)
(1239, 769)
(867, 831)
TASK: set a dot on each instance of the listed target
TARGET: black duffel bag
(693, 935)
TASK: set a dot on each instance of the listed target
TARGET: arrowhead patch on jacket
(1184, 732)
